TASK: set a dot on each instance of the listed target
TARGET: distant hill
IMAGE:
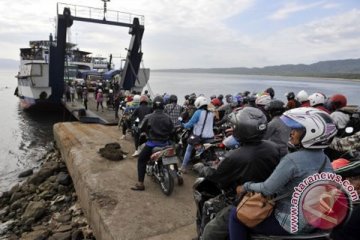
(349, 68)
(8, 63)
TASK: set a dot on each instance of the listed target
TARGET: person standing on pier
(99, 100)
(85, 97)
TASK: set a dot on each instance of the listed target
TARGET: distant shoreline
(350, 77)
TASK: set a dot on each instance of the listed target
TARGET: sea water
(25, 137)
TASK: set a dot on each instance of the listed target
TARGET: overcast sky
(201, 33)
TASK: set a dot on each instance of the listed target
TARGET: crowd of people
(278, 144)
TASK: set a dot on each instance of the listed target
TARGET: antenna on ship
(105, 1)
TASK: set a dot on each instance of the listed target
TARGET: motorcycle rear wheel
(167, 181)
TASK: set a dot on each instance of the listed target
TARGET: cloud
(318, 40)
(293, 7)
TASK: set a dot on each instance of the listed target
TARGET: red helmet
(216, 102)
(339, 163)
(338, 101)
(144, 98)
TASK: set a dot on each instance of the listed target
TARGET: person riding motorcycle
(140, 114)
(317, 100)
(277, 131)
(254, 160)
(202, 123)
(174, 110)
(312, 131)
(159, 129)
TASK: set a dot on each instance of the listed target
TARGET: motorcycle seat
(156, 149)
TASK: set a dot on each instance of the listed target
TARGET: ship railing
(98, 14)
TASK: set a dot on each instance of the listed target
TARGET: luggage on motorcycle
(254, 208)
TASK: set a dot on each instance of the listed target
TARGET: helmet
(319, 128)
(201, 101)
(173, 99)
(166, 98)
(290, 95)
(158, 103)
(271, 92)
(263, 100)
(275, 107)
(136, 99)
(302, 96)
(339, 163)
(316, 99)
(111, 91)
(238, 98)
(249, 124)
(229, 98)
(99, 90)
(337, 101)
(192, 100)
(246, 93)
(144, 99)
(216, 102)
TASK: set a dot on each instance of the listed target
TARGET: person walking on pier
(99, 100)
(85, 97)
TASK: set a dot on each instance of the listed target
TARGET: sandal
(138, 187)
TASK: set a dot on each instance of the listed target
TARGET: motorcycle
(211, 152)
(210, 199)
(163, 168)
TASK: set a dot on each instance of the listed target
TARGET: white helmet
(302, 96)
(99, 90)
(111, 91)
(318, 125)
(263, 100)
(316, 99)
(136, 99)
(201, 101)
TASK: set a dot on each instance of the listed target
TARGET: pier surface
(103, 188)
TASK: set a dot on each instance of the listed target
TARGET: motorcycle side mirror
(349, 130)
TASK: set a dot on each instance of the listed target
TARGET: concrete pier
(103, 188)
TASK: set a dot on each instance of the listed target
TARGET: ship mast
(105, 1)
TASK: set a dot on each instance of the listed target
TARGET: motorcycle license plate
(170, 160)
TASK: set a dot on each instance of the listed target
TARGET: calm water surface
(25, 137)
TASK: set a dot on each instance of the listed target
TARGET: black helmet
(290, 95)
(158, 103)
(271, 92)
(275, 107)
(192, 100)
(173, 99)
(249, 125)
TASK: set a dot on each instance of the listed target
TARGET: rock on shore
(44, 206)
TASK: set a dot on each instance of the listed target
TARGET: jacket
(291, 171)
(278, 133)
(250, 162)
(158, 126)
(141, 112)
(197, 121)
